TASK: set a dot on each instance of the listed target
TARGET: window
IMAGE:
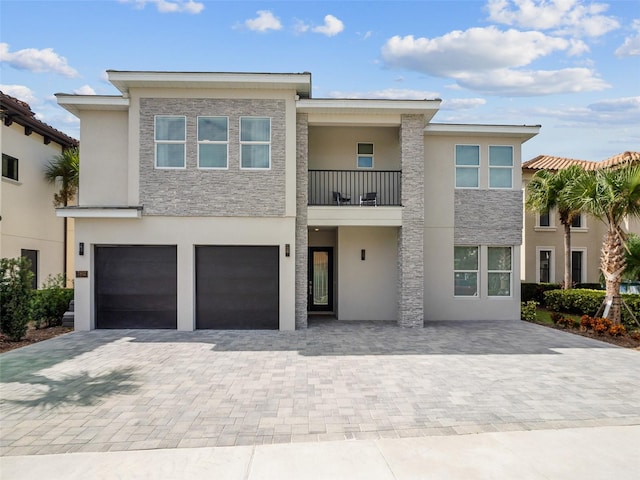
(577, 271)
(499, 271)
(32, 256)
(9, 167)
(467, 166)
(578, 222)
(255, 143)
(365, 155)
(500, 167)
(545, 266)
(170, 140)
(465, 260)
(544, 219)
(213, 142)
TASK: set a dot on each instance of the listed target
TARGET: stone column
(302, 234)
(411, 235)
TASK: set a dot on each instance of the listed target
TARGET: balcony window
(365, 155)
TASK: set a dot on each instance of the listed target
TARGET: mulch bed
(625, 342)
(33, 335)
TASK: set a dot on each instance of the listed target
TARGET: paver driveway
(141, 389)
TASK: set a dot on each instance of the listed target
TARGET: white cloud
(522, 83)
(389, 93)
(264, 22)
(475, 49)
(84, 90)
(462, 103)
(570, 17)
(300, 27)
(37, 61)
(20, 92)
(631, 45)
(332, 26)
(170, 6)
(489, 60)
(622, 105)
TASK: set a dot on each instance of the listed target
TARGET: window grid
(467, 163)
(213, 140)
(500, 166)
(9, 167)
(170, 141)
(365, 155)
(255, 143)
(499, 268)
(466, 268)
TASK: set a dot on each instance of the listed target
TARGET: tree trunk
(567, 256)
(613, 263)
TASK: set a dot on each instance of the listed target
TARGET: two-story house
(29, 226)
(235, 200)
(543, 238)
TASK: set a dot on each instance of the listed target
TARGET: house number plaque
(82, 274)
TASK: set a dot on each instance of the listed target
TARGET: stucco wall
(28, 216)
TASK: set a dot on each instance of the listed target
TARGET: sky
(572, 66)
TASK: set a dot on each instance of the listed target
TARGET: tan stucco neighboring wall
(185, 233)
(103, 159)
(335, 148)
(28, 216)
(367, 288)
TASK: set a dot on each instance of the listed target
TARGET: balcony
(352, 184)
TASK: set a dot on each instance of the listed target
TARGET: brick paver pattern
(143, 389)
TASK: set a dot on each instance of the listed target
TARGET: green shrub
(15, 292)
(535, 291)
(49, 304)
(587, 302)
(528, 310)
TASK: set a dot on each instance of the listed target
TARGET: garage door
(136, 286)
(237, 287)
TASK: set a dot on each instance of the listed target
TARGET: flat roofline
(123, 80)
(522, 131)
(75, 103)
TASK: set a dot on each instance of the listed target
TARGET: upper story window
(365, 155)
(465, 266)
(467, 166)
(499, 271)
(255, 143)
(213, 142)
(500, 166)
(170, 139)
(544, 219)
(579, 221)
(9, 167)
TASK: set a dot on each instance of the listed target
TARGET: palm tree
(611, 195)
(546, 191)
(66, 167)
(632, 271)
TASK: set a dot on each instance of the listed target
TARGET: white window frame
(552, 222)
(245, 142)
(500, 167)
(477, 271)
(583, 224)
(169, 142)
(358, 155)
(212, 142)
(510, 272)
(476, 167)
(552, 263)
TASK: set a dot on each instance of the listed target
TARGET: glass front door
(320, 289)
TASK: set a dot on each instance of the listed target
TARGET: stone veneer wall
(205, 192)
(488, 217)
(302, 234)
(411, 236)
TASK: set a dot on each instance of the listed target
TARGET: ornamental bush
(15, 292)
(528, 310)
(49, 304)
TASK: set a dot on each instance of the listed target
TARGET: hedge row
(587, 302)
(536, 291)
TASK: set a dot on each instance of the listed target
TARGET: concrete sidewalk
(575, 453)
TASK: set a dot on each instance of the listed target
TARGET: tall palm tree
(66, 167)
(611, 195)
(546, 191)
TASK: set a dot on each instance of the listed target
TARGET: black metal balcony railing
(352, 184)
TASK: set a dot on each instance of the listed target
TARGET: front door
(320, 289)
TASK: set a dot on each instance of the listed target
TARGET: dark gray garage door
(237, 287)
(136, 286)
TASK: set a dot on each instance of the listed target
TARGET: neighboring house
(29, 226)
(543, 259)
(235, 200)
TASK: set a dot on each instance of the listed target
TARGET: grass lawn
(544, 316)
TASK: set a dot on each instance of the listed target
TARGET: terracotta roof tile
(548, 162)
